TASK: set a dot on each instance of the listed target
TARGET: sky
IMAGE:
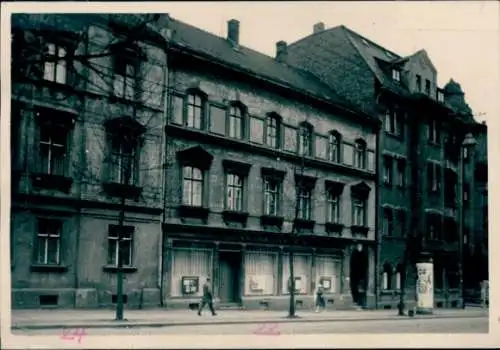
(462, 38)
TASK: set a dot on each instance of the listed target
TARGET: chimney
(318, 27)
(281, 51)
(233, 32)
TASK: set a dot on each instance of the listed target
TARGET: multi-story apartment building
(87, 119)
(227, 159)
(419, 154)
(255, 149)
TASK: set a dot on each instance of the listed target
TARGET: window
(428, 87)
(418, 83)
(433, 226)
(440, 96)
(123, 160)
(334, 147)
(400, 174)
(388, 171)
(120, 246)
(48, 241)
(236, 122)
(401, 215)
(466, 192)
(333, 205)
(399, 274)
(387, 277)
(53, 144)
(272, 131)
(234, 192)
(305, 140)
(192, 186)
(433, 132)
(304, 195)
(396, 75)
(393, 122)
(125, 77)
(433, 177)
(359, 212)
(360, 154)
(55, 68)
(195, 111)
(271, 196)
(388, 224)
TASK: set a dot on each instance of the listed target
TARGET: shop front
(255, 275)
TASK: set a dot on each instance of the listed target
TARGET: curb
(124, 324)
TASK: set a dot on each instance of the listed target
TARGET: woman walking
(320, 300)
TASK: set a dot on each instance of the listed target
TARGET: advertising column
(425, 287)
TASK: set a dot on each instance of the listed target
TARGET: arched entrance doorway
(359, 275)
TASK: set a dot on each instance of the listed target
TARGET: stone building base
(85, 298)
(276, 303)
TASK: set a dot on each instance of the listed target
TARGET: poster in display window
(257, 283)
(190, 284)
(300, 283)
(326, 283)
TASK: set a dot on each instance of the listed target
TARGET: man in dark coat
(207, 298)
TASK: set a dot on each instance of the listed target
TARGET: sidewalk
(104, 318)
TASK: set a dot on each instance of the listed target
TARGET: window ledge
(121, 190)
(236, 216)
(272, 220)
(51, 181)
(359, 230)
(392, 237)
(392, 292)
(48, 268)
(193, 211)
(334, 227)
(394, 135)
(114, 268)
(305, 223)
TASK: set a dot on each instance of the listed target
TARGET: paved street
(404, 325)
(104, 318)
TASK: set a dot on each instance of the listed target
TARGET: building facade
(257, 167)
(419, 159)
(211, 159)
(86, 134)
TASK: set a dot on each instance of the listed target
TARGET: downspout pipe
(166, 105)
(378, 236)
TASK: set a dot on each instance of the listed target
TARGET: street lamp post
(467, 144)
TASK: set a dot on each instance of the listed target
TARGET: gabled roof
(250, 61)
(372, 53)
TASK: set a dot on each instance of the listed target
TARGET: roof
(220, 50)
(373, 54)
(254, 62)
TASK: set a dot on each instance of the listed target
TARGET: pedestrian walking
(320, 299)
(207, 298)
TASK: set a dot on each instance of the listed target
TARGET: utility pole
(119, 274)
(291, 282)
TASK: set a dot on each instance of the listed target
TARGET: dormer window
(396, 75)
(418, 83)
(440, 96)
(428, 87)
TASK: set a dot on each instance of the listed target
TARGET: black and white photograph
(251, 171)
